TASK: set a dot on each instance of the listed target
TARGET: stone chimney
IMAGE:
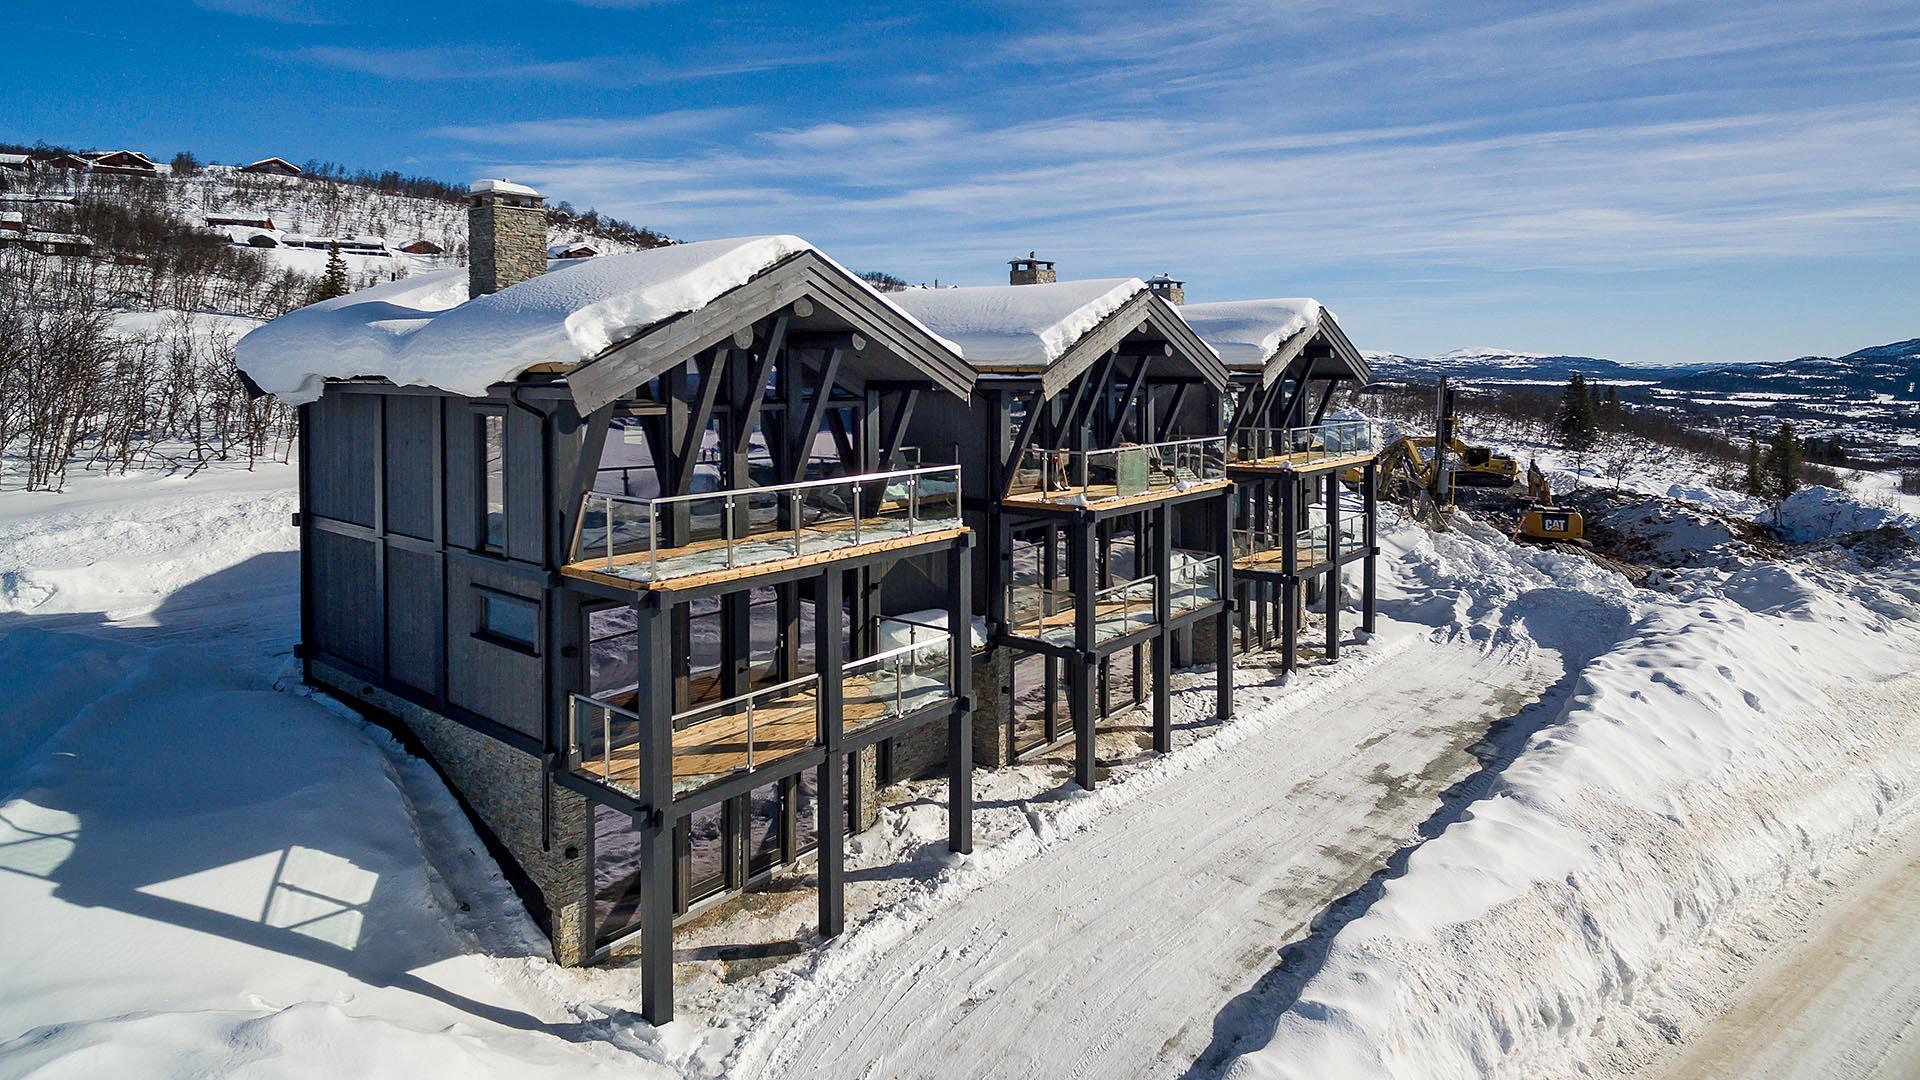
(1173, 292)
(506, 235)
(1030, 271)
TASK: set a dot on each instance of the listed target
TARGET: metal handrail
(723, 708)
(1051, 481)
(1265, 442)
(729, 498)
(608, 711)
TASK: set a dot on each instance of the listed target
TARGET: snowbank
(424, 330)
(1719, 760)
(1247, 332)
(1017, 325)
(1817, 513)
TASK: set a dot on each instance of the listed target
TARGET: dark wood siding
(409, 464)
(346, 614)
(345, 437)
(503, 684)
(463, 471)
(526, 486)
(414, 644)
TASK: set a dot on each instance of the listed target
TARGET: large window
(512, 621)
(492, 432)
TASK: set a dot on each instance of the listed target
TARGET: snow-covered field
(1542, 824)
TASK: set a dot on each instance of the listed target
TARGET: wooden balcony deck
(1105, 496)
(1305, 461)
(754, 554)
(715, 749)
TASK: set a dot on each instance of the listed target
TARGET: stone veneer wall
(506, 242)
(990, 676)
(502, 787)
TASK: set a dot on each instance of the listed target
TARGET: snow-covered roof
(424, 330)
(1246, 333)
(500, 187)
(1017, 326)
(13, 159)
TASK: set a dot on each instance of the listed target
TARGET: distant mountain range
(1866, 398)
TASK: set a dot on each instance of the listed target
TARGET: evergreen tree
(1756, 478)
(1577, 426)
(1783, 461)
(334, 281)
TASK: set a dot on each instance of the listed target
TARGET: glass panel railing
(676, 535)
(1121, 609)
(1305, 445)
(1085, 477)
(1194, 580)
(898, 680)
(743, 733)
(1035, 611)
(604, 743)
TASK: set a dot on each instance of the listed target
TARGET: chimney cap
(1163, 280)
(1030, 260)
(500, 187)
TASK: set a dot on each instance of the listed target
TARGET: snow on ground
(1541, 822)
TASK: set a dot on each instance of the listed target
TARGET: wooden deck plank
(1106, 496)
(593, 569)
(1303, 462)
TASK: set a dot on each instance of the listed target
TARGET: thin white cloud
(292, 12)
(586, 131)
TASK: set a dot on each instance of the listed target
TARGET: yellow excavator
(1424, 474)
(1543, 522)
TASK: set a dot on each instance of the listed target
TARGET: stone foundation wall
(921, 752)
(990, 677)
(503, 788)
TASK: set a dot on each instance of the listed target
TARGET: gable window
(508, 620)
(492, 434)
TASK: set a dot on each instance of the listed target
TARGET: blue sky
(1650, 181)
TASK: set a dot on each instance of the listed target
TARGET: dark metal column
(1369, 568)
(1332, 590)
(1290, 566)
(654, 705)
(1223, 622)
(1080, 666)
(960, 725)
(832, 808)
(1162, 531)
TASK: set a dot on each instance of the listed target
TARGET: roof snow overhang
(1139, 325)
(819, 296)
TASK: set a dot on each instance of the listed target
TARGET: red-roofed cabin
(422, 247)
(272, 166)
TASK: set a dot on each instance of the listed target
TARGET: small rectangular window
(493, 493)
(509, 620)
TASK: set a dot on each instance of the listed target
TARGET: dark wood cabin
(1296, 527)
(272, 166)
(654, 614)
(1093, 458)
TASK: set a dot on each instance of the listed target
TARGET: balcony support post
(654, 705)
(831, 827)
(1369, 569)
(1080, 666)
(1163, 638)
(1333, 555)
(1223, 622)
(1290, 582)
(960, 724)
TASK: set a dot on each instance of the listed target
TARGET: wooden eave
(890, 333)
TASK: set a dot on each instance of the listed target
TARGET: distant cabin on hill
(571, 251)
(422, 246)
(123, 163)
(249, 221)
(16, 162)
(65, 161)
(272, 166)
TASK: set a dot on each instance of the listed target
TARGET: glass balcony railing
(604, 743)
(1087, 477)
(743, 733)
(1312, 545)
(1305, 445)
(1195, 581)
(899, 679)
(1044, 614)
(676, 535)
